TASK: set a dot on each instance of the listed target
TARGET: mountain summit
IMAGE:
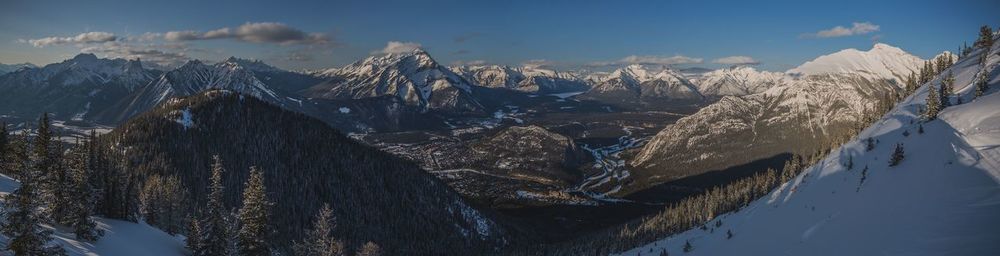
(882, 61)
(414, 77)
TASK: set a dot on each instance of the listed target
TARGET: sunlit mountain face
(499, 128)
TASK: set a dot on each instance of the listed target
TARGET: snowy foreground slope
(120, 237)
(942, 199)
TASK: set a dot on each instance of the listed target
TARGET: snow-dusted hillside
(942, 199)
(121, 238)
(797, 115)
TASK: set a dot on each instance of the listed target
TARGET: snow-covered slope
(942, 199)
(527, 79)
(641, 82)
(798, 115)
(882, 61)
(414, 77)
(738, 80)
(121, 238)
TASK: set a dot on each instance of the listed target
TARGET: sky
(774, 35)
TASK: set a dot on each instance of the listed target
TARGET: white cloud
(469, 63)
(147, 53)
(258, 32)
(736, 60)
(857, 28)
(399, 47)
(145, 37)
(538, 63)
(89, 37)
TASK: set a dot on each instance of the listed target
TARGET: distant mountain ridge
(526, 79)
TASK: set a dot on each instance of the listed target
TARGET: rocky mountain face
(735, 81)
(817, 102)
(374, 195)
(76, 89)
(233, 74)
(638, 83)
(413, 77)
(526, 79)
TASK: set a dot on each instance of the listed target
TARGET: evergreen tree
(161, 203)
(319, 241)
(59, 187)
(985, 39)
(947, 89)
(22, 221)
(82, 194)
(5, 151)
(47, 158)
(369, 249)
(729, 234)
(897, 155)
(920, 128)
(216, 229)
(981, 83)
(933, 104)
(194, 235)
(254, 217)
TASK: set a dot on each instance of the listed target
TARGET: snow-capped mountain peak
(525, 78)
(250, 64)
(882, 61)
(639, 81)
(413, 76)
(736, 80)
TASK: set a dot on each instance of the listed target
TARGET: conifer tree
(194, 235)
(161, 203)
(981, 83)
(22, 220)
(82, 194)
(947, 89)
(5, 150)
(985, 39)
(369, 249)
(58, 187)
(897, 155)
(319, 240)
(216, 229)
(933, 104)
(254, 217)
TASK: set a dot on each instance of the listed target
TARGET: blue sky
(563, 34)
